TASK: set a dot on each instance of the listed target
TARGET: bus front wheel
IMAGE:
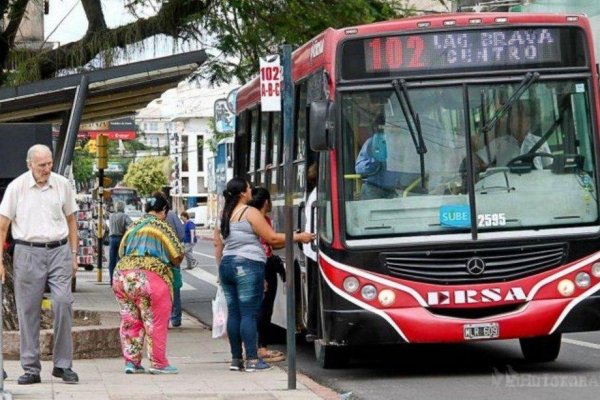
(329, 356)
(541, 348)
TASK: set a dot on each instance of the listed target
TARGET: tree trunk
(9, 305)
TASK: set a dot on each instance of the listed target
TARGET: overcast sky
(74, 25)
(66, 23)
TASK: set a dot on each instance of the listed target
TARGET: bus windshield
(533, 167)
(128, 196)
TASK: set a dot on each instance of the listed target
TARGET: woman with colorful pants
(143, 287)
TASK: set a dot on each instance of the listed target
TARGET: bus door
(311, 90)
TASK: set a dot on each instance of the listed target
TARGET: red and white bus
(477, 216)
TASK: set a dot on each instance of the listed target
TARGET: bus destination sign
(466, 50)
(462, 49)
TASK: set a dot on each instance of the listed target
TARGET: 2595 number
(487, 220)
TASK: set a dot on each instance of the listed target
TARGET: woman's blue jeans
(242, 281)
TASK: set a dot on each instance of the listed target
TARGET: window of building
(184, 153)
(200, 153)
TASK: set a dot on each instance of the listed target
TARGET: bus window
(254, 124)
(300, 135)
(276, 134)
(301, 123)
(324, 222)
(242, 160)
(383, 176)
(265, 149)
(549, 138)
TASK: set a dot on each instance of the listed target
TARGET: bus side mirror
(321, 125)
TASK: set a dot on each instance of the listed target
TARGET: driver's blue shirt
(375, 173)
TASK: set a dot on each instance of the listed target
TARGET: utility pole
(288, 132)
(102, 164)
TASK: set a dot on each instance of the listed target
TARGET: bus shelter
(93, 96)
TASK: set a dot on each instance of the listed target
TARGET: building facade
(180, 124)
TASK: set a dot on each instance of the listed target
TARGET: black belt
(47, 245)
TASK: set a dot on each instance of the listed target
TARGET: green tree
(243, 31)
(235, 32)
(83, 167)
(147, 175)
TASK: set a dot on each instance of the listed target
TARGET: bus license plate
(481, 331)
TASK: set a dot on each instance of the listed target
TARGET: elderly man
(40, 207)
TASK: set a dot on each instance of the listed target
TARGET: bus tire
(541, 348)
(330, 357)
(88, 267)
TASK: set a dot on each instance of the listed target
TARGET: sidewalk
(203, 365)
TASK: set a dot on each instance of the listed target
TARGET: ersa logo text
(472, 296)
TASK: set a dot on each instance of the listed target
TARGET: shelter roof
(112, 92)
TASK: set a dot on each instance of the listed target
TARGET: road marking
(203, 276)
(204, 255)
(582, 343)
(187, 287)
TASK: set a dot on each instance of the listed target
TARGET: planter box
(95, 335)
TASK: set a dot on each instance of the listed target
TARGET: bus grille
(450, 266)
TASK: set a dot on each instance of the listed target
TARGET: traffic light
(102, 151)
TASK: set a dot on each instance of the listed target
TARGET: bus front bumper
(351, 325)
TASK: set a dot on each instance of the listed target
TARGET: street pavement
(203, 365)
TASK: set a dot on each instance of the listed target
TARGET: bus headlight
(583, 280)
(596, 269)
(566, 287)
(368, 292)
(351, 284)
(386, 297)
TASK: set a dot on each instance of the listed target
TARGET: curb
(318, 389)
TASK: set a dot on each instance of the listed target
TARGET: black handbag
(275, 265)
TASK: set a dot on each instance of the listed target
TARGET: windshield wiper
(527, 81)
(413, 122)
(562, 108)
(486, 144)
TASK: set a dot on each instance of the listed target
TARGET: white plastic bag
(219, 311)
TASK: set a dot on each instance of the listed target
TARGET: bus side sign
(270, 83)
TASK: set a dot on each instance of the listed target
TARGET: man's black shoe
(67, 375)
(4, 374)
(28, 379)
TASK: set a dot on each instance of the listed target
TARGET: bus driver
(518, 141)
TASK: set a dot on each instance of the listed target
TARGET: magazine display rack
(87, 239)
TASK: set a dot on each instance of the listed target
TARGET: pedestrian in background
(40, 207)
(142, 284)
(189, 239)
(117, 225)
(177, 226)
(241, 261)
(261, 200)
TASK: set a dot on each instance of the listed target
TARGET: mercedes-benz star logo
(475, 266)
